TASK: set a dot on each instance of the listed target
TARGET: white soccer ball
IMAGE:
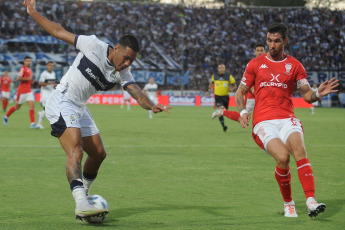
(100, 203)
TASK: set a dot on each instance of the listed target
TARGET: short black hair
(130, 41)
(259, 45)
(278, 28)
(26, 57)
(50, 62)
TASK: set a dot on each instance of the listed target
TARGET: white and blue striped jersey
(46, 90)
(91, 71)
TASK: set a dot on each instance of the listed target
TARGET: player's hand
(30, 6)
(244, 120)
(160, 108)
(328, 87)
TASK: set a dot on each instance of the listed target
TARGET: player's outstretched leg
(314, 208)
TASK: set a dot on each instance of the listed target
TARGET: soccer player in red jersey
(5, 84)
(24, 93)
(275, 128)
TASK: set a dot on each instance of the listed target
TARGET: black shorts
(222, 101)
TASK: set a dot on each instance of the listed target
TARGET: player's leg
(71, 142)
(41, 114)
(128, 104)
(281, 154)
(94, 148)
(295, 144)
(32, 114)
(16, 106)
(65, 122)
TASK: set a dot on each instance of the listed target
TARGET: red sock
(233, 115)
(9, 112)
(306, 177)
(4, 104)
(32, 115)
(283, 178)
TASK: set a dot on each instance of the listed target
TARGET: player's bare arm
(240, 97)
(51, 27)
(144, 101)
(240, 102)
(324, 89)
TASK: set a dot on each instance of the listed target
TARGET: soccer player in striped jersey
(47, 81)
(97, 67)
(276, 129)
(151, 91)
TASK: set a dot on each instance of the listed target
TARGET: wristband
(243, 112)
(318, 95)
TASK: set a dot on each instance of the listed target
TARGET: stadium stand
(184, 43)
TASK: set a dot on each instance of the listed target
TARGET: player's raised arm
(51, 27)
(144, 101)
(324, 89)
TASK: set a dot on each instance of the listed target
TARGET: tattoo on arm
(138, 95)
(240, 97)
(313, 97)
(308, 94)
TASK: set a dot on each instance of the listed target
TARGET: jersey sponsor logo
(275, 77)
(288, 67)
(263, 66)
(94, 75)
(272, 82)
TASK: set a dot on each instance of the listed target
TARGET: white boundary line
(150, 146)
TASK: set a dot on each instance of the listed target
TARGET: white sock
(87, 185)
(41, 115)
(150, 113)
(79, 193)
(128, 105)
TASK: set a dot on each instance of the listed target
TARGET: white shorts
(24, 97)
(63, 113)
(44, 100)
(126, 95)
(5, 94)
(265, 131)
(250, 103)
(154, 99)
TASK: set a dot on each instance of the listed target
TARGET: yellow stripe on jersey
(221, 86)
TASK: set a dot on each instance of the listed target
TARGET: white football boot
(218, 113)
(314, 208)
(289, 209)
(85, 210)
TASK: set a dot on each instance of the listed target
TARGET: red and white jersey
(5, 82)
(274, 83)
(25, 86)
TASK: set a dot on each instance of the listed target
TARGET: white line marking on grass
(154, 146)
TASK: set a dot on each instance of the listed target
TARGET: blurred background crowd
(196, 38)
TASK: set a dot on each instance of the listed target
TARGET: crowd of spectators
(197, 38)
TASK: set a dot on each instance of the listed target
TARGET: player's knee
(283, 160)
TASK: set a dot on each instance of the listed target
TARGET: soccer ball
(100, 203)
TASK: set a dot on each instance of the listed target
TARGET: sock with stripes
(306, 177)
(283, 178)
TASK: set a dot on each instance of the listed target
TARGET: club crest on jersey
(72, 119)
(288, 67)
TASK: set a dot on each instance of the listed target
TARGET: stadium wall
(117, 99)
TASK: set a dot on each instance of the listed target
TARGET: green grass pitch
(175, 171)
